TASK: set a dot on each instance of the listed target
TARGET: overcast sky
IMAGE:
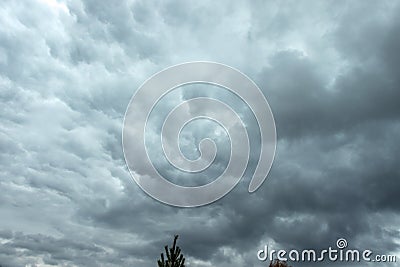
(330, 71)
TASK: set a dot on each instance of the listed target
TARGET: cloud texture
(331, 74)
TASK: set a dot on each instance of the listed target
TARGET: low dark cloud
(68, 69)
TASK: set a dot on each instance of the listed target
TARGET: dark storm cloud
(68, 69)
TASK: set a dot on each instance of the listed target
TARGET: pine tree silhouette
(174, 257)
(278, 263)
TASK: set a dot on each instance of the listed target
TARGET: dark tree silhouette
(278, 263)
(174, 257)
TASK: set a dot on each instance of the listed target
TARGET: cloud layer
(330, 72)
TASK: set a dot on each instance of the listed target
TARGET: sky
(331, 74)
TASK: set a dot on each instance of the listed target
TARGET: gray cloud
(68, 69)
